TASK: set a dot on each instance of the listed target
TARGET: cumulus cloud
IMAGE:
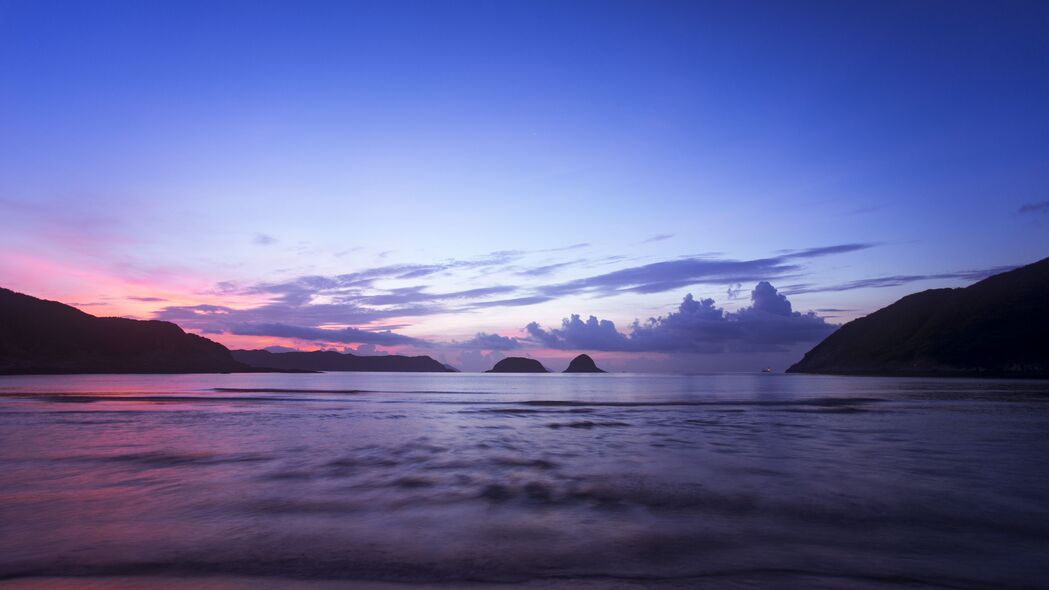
(769, 324)
(475, 360)
(574, 333)
(279, 349)
(489, 342)
(765, 298)
(367, 350)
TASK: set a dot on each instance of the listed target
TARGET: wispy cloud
(576, 246)
(827, 250)
(675, 274)
(409, 295)
(544, 270)
(668, 275)
(656, 238)
(344, 335)
(897, 280)
(303, 307)
(514, 302)
(264, 240)
(1036, 207)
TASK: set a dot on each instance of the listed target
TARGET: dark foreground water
(530, 481)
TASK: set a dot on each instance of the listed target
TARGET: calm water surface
(523, 481)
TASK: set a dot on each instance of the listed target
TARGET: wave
(274, 390)
(238, 574)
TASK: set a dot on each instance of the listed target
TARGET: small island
(583, 364)
(517, 364)
(330, 360)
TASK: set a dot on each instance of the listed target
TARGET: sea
(394, 481)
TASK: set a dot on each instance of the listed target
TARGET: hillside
(46, 337)
(994, 328)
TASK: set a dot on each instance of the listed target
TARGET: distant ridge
(583, 364)
(517, 364)
(998, 327)
(330, 360)
(47, 337)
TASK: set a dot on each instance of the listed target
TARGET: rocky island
(517, 364)
(583, 364)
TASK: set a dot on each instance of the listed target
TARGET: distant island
(517, 364)
(583, 364)
(47, 337)
(330, 360)
(997, 327)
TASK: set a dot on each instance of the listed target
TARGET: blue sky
(158, 157)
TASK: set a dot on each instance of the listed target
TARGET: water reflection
(539, 480)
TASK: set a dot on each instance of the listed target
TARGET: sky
(668, 186)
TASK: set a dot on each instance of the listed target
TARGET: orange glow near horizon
(106, 294)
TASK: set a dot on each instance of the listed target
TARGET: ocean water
(522, 481)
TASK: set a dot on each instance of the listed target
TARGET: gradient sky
(439, 176)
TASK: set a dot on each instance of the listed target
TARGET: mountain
(583, 364)
(994, 328)
(516, 364)
(46, 337)
(329, 360)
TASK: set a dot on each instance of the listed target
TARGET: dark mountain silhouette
(583, 364)
(330, 360)
(46, 337)
(995, 328)
(516, 364)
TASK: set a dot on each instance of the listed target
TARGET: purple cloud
(345, 335)
(827, 250)
(768, 325)
(486, 341)
(1037, 207)
(674, 274)
(353, 299)
(897, 280)
(656, 238)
